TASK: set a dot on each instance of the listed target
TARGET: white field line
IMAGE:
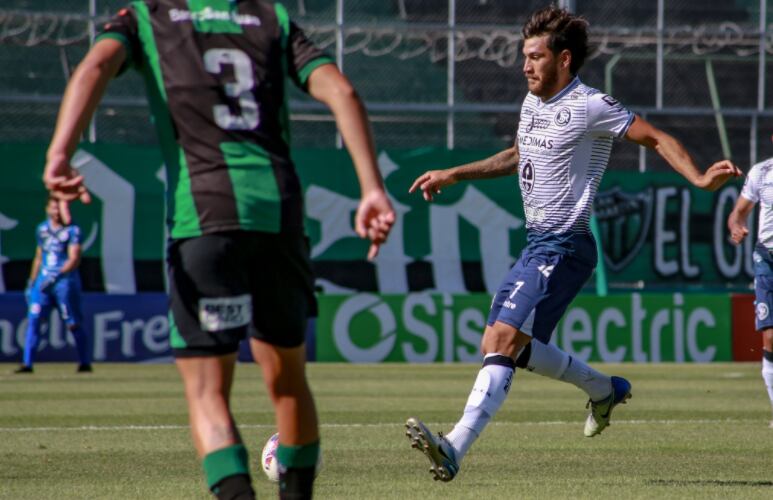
(376, 425)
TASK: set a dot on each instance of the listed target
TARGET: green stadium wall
(657, 233)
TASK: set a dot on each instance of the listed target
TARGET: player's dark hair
(565, 30)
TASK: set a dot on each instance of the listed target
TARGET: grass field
(690, 431)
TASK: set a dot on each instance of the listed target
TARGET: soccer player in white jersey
(562, 148)
(758, 188)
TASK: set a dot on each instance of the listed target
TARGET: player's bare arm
(375, 215)
(736, 221)
(501, 164)
(82, 95)
(643, 133)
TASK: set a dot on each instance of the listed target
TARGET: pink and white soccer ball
(268, 458)
(269, 462)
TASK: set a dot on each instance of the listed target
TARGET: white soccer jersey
(758, 187)
(565, 144)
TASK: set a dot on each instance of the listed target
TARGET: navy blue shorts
(541, 285)
(763, 289)
(763, 300)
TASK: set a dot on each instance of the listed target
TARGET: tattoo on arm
(501, 164)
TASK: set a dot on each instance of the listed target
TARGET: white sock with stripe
(767, 373)
(487, 395)
(550, 361)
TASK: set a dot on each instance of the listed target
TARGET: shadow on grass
(707, 482)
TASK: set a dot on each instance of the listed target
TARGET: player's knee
(767, 338)
(503, 339)
(286, 383)
(34, 310)
(206, 395)
(204, 386)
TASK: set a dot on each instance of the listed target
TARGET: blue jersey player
(562, 148)
(758, 188)
(54, 281)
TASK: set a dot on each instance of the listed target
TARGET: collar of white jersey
(575, 82)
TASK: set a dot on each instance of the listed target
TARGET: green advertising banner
(426, 327)
(656, 230)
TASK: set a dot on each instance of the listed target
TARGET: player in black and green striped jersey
(238, 260)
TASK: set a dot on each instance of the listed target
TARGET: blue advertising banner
(123, 328)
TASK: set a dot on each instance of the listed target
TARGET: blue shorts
(541, 285)
(763, 288)
(763, 301)
(65, 294)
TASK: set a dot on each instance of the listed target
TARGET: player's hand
(65, 184)
(717, 175)
(431, 181)
(374, 219)
(738, 233)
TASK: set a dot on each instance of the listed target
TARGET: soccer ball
(268, 458)
(269, 462)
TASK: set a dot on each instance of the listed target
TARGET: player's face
(544, 70)
(52, 210)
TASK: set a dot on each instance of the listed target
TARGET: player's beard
(545, 87)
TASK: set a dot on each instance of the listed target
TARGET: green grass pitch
(690, 431)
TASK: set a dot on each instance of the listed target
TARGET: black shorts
(223, 286)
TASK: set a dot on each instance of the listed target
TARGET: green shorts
(224, 286)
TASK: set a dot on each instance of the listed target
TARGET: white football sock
(767, 376)
(487, 395)
(550, 361)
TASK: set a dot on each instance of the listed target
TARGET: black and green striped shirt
(215, 72)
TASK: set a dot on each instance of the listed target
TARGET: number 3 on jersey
(241, 89)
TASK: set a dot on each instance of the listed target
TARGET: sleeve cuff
(627, 125)
(304, 73)
(124, 41)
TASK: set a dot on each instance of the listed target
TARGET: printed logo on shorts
(546, 270)
(762, 311)
(223, 313)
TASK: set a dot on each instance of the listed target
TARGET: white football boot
(437, 449)
(600, 411)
